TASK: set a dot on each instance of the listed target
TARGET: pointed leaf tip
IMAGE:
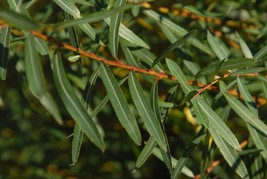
(17, 20)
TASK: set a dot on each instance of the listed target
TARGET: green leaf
(173, 46)
(73, 104)
(185, 157)
(76, 143)
(146, 56)
(146, 152)
(89, 30)
(249, 70)
(4, 50)
(213, 121)
(41, 46)
(17, 20)
(249, 152)
(177, 72)
(261, 53)
(185, 170)
(50, 105)
(258, 139)
(94, 17)
(129, 35)
(78, 134)
(164, 104)
(229, 154)
(120, 105)
(189, 96)
(155, 106)
(88, 91)
(131, 60)
(264, 88)
(74, 58)
(34, 71)
(105, 100)
(69, 7)
(244, 112)
(154, 100)
(145, 111)
(114, 27)
(176, 29)
(247, 96)
(257, 167)
(244, 47)
(230, 64)
(218, 47)
(168, 33)
(136, 10)
(76, 80)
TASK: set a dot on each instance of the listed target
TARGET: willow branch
(159, 75)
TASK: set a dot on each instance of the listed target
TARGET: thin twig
(159, 75)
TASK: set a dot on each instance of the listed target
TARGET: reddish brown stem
(118, 63)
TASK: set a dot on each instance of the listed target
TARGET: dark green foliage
(133, 89)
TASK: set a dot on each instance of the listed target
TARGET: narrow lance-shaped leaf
(36, 80)
(185, 170)
(229, 154)
(51, 106)
(261, 53)
(213, 121)
(154, 100)
(73, 104)
(168, 99)
(120, 105)
(249, 70)
(41, 46)
(131, 59)
(244, 47)
(247, 96)
(173, 46)
(143, 107)
(227, 151)
(151, 143)
(68, 6)
(244, 112)
(155, 106)
(88, 91)
(4, 49)
(105, 100)
(129, 35)
(178, 30)
(230, 64)
(179, 75)
(76, 143)
(258, 139)
(264, 88)
(34, 71)
(17, 20)
(146, 56)
(78, 134)
(146, 152)
(220, 49)
(185, 157)
(90, 31)
(114, 27)
(94, 17)
(169, 34)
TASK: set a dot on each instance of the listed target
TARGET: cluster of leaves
(198, 79)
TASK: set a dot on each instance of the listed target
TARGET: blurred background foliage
(34, 145)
